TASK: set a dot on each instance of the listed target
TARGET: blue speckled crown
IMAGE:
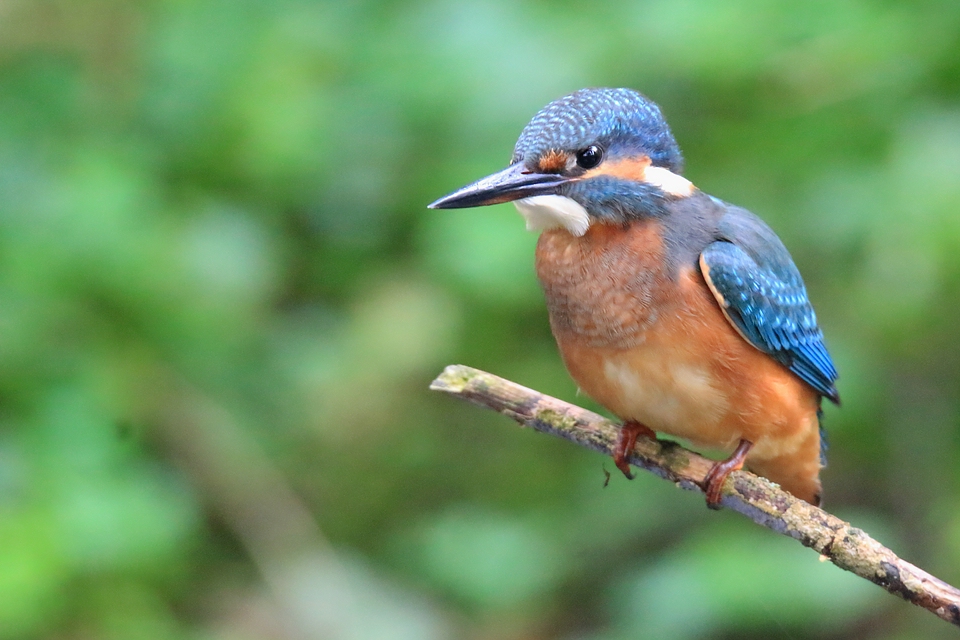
(613, 117)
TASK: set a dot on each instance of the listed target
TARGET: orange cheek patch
(553, 162)
(628, 169)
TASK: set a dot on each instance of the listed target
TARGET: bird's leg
(713, 483)
(629, 433)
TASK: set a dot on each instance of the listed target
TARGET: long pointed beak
(513, 183)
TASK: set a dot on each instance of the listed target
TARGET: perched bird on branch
(678, 312)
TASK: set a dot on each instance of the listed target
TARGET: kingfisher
(678, 312)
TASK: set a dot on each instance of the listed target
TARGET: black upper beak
(513, 183)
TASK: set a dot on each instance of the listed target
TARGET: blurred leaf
(487, 253)
(487, 560)
(741, 577)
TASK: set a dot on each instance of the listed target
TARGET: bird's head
(602, 155)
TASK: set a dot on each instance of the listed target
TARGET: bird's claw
(629, 433)
(713, 482)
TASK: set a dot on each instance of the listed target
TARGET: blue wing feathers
(755, 280)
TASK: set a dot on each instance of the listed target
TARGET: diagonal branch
(757, 498)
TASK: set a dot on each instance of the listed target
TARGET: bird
(678, 312)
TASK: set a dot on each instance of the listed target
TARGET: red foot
(629, 433)
(713, 483)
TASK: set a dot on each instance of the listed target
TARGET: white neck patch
(668, 181)
(553, 212)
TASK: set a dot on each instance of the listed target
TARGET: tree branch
(757, 498)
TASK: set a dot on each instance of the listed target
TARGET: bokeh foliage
(222, 299)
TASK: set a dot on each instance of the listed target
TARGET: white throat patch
(553, 212)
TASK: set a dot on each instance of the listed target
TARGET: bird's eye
(590, 157)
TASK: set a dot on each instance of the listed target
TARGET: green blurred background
(222, 299)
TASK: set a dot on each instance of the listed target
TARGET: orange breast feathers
(654, 347)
